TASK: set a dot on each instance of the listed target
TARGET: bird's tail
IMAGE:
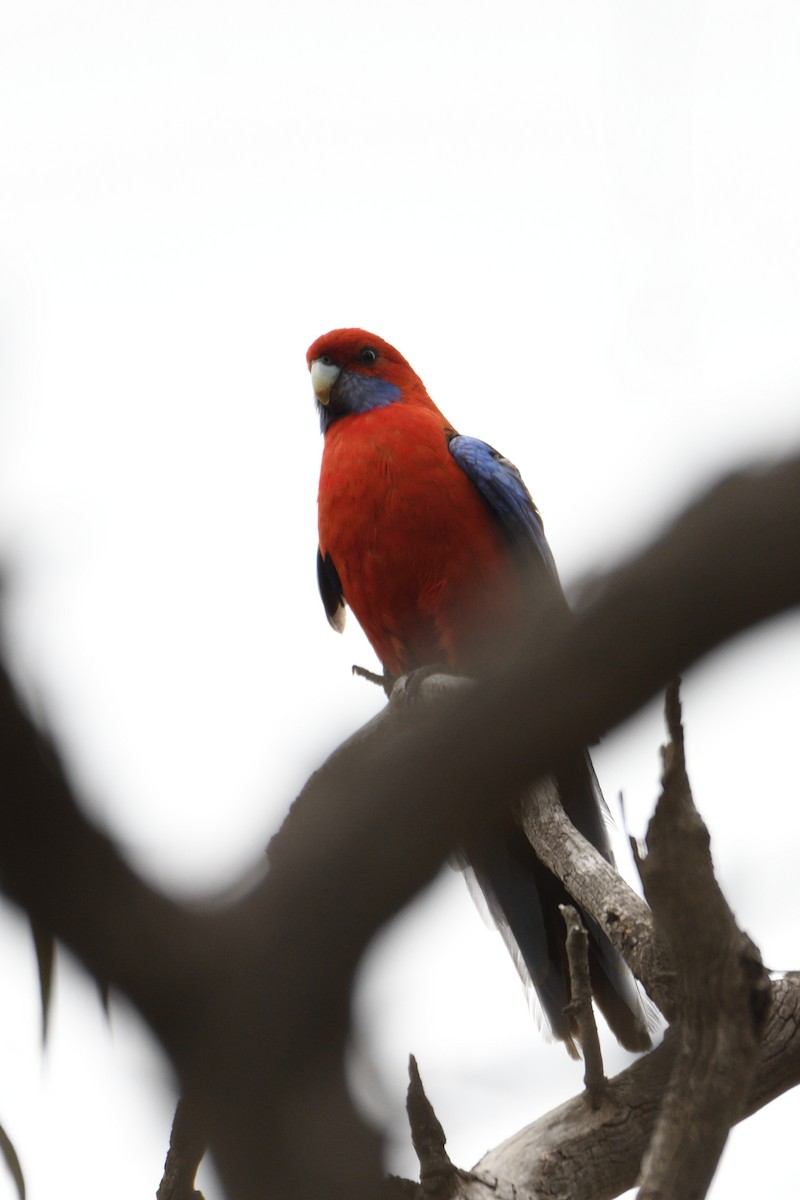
(523, 897)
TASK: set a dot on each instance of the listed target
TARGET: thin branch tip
(673, 754)
(427, 1135)
(580, 1007)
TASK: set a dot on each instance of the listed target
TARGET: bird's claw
(411, 689)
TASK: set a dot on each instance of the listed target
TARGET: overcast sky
(579, 222)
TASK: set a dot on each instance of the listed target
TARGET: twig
(436, 1171)
(580, 1005)
(186, 1148)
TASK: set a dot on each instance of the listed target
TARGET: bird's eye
(368, 355)
(326, 360)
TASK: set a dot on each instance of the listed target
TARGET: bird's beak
(323, 377)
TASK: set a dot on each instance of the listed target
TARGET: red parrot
(428, 535)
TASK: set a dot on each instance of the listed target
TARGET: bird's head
(354, 372)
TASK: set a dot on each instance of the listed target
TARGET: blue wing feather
(503, 489)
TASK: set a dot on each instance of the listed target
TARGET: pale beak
(323, 377)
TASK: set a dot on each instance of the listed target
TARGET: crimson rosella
(427, 536)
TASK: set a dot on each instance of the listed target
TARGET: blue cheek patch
(354, 393)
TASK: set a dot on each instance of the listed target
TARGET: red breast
(420, 557)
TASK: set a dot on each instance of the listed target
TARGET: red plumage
(422, 561)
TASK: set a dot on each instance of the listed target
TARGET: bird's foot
(415, 686)
(408, 689)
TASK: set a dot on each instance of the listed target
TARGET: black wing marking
(330, 589)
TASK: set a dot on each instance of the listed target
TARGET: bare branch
(186, 1148)
(436, 1171)
(595, 1154)
(723, 994)
(599, 890)
(594, 1077)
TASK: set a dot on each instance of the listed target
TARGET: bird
(433, 541)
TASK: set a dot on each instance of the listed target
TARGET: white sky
(579, 223)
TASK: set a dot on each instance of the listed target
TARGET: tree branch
(186, 1149)
(595, 1154)
(678, 1104)
(252, 1001)
(436, 1172)
(594, 1076)
(599, 890)
(723, 995)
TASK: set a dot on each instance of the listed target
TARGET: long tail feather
(523, 897)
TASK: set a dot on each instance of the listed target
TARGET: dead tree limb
(677, 1105)
(595, 1154)
(723, 993)
(600, 890)
(186, 1149)
(594, 1076)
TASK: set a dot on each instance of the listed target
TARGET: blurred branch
(251, 1001)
